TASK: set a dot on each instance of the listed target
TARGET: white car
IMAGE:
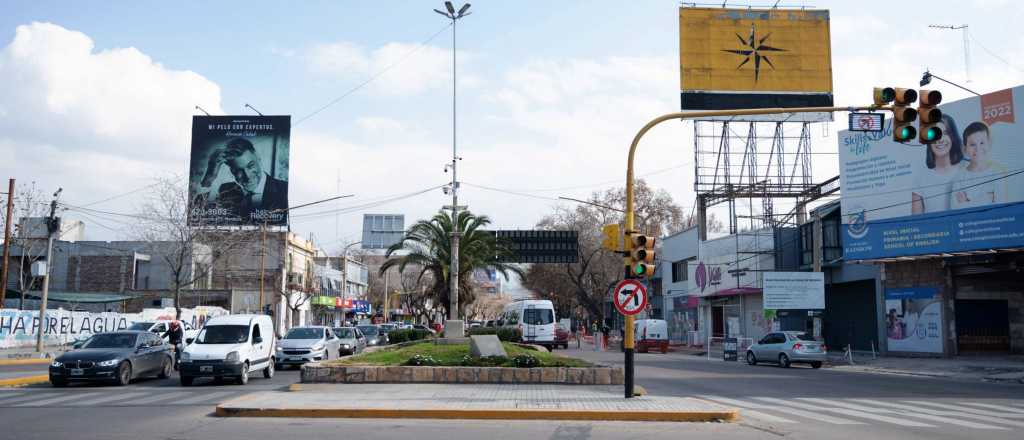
(160, 326)
(230, 346)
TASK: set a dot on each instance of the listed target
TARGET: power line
(372, 77)
(982, 46)
(121, 195)
(373, 204)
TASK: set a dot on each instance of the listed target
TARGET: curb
(482, 414)
(30, 361)
(26, 380)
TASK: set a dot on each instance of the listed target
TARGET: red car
(561, 337)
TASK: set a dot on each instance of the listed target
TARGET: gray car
(307, 344)
(351, 339)
(785, 348)
(374, 337)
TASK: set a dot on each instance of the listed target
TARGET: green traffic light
(933, 134)
(888, 94)
(639, 269)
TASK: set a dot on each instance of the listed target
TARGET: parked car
(307, 344)
(489, 323)
(561, 337)
(785, 348)
(651, 334)
(423, 327)
(160, 327)
(351, 339)
(116, 357)
(230, 346)
(373, 335)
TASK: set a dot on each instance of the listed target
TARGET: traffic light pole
(628, 342)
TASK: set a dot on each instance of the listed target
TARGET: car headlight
(109, 363)
(56, 364)
(346, 346)
(318, 347)
(186, 356)
(231, 358)
(280, 348)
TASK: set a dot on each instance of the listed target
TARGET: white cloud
(410, 68)
(96, 123)
(377, 124)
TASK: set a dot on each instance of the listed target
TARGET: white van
(535, 318)
(230, 346)
(651, 334)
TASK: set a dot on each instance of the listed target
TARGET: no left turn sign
(630, 297)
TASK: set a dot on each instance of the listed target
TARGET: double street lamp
(454, 16)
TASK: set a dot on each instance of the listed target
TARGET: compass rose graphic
(754, 48)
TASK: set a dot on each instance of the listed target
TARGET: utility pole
(453, 297)
(263, 252)
(52, 226)
(7, 239)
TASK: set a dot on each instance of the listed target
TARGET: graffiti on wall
(19, 328)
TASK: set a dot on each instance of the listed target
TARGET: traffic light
(929, 116)
(641, 256)
(884, 95)
(903, 115)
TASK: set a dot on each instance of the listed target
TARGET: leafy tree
(427, 247)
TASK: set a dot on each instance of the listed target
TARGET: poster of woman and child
(960, 193)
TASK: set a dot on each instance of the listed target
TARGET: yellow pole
(628, 343)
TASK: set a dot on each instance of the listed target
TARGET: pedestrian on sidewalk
(579, 335)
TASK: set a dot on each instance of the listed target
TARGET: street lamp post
(453, 312)
(344, 278)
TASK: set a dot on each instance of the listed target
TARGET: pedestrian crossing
(903, 413)
(109, 398)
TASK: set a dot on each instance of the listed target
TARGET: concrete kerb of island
(596, 375)
(25, 380)
(483, 414)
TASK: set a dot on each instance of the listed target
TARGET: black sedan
(116, 357)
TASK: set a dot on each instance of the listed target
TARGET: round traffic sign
(630, 297)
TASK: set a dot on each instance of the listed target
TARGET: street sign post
(630, 297)
(866, 121)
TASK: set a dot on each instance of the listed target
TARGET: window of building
(807, 244)
(679, 271)
(832, 246)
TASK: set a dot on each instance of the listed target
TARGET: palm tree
(428, 247)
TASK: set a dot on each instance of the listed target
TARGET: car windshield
(345, 333)
(305, 333)
(111, 340)
(141, 326)
(223, 334)
(368, 330)
(802, 337)
(538, 316)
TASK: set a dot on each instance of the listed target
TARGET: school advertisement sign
(913, 320)
(962, 193)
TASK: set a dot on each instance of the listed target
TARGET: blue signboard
(998, 226)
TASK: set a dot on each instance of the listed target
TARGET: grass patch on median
(454, 356)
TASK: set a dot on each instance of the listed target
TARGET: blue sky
(550, 93)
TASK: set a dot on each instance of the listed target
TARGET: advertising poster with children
(913, 320)
(962, 193)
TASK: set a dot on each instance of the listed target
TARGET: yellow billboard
(754, 58)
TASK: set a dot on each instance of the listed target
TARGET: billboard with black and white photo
(239, 170)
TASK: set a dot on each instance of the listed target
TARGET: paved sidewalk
(1008, 369)
(457, 401)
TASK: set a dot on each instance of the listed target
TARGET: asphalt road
(772, 400)
(12, 371)
(802, 402)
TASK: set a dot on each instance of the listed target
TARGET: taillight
(798, 346)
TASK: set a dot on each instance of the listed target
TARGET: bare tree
(189, 252)
(29, 202)
(586, 283)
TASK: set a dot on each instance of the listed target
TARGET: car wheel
(165, 371)
(186, 381)
(124, 373)
(751, 359)
(244, 377)
(58, 383)
(268, 372)
(815, 364)
(783, 360)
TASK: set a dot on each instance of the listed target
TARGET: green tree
(426, 248)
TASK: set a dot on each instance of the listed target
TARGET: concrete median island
(430, 363)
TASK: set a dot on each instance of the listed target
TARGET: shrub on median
(504, 334)
(398, 336)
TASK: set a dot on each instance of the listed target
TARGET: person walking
(174, 335)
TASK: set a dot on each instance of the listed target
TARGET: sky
(96, 97)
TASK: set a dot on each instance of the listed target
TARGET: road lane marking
(904, 412)
(205, 397)
(60, 397)
(787, 410)
(1004, 408)
(847, 412)
(110, 398)
(162, 397)
(10, 396)
(947, 413)
(969, 410)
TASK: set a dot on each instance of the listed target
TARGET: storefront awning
(735, 291)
